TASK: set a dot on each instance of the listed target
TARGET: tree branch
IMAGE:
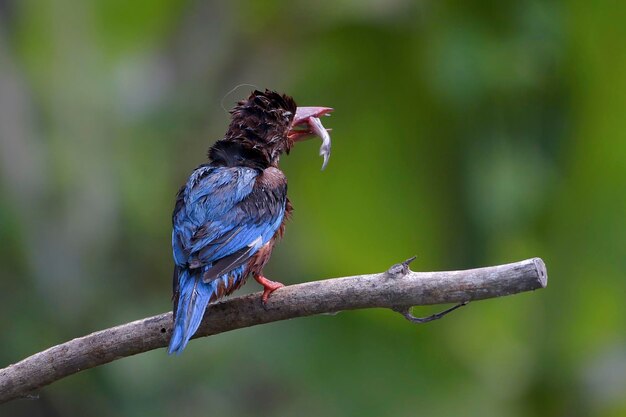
(397, 289)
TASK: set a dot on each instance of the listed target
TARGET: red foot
(268, 286)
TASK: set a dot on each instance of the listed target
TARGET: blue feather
(210, 224)
(193, 299)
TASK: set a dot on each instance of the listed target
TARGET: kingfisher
(232, 209)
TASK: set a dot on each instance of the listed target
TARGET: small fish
(307, 124)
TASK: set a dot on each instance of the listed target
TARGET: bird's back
(223, 216)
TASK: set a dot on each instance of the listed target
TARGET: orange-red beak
(306, 123)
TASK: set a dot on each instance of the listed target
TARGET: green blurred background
(468, 133)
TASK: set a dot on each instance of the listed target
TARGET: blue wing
(218, 222)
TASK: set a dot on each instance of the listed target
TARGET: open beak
(306, 124)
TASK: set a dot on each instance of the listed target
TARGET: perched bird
(232, 209)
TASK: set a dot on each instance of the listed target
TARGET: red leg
(268, 286)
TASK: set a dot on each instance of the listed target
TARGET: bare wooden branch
(397, 289)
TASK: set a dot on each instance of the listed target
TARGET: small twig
(397, 287)
(399, 271)
(406, 312)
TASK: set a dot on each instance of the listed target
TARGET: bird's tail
(193, 297)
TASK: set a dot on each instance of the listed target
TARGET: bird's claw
(268, 287)
(268, 291)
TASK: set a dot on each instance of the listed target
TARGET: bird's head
(268, 124)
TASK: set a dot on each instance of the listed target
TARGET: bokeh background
(467, 133)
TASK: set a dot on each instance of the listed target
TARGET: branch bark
(397, 289)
